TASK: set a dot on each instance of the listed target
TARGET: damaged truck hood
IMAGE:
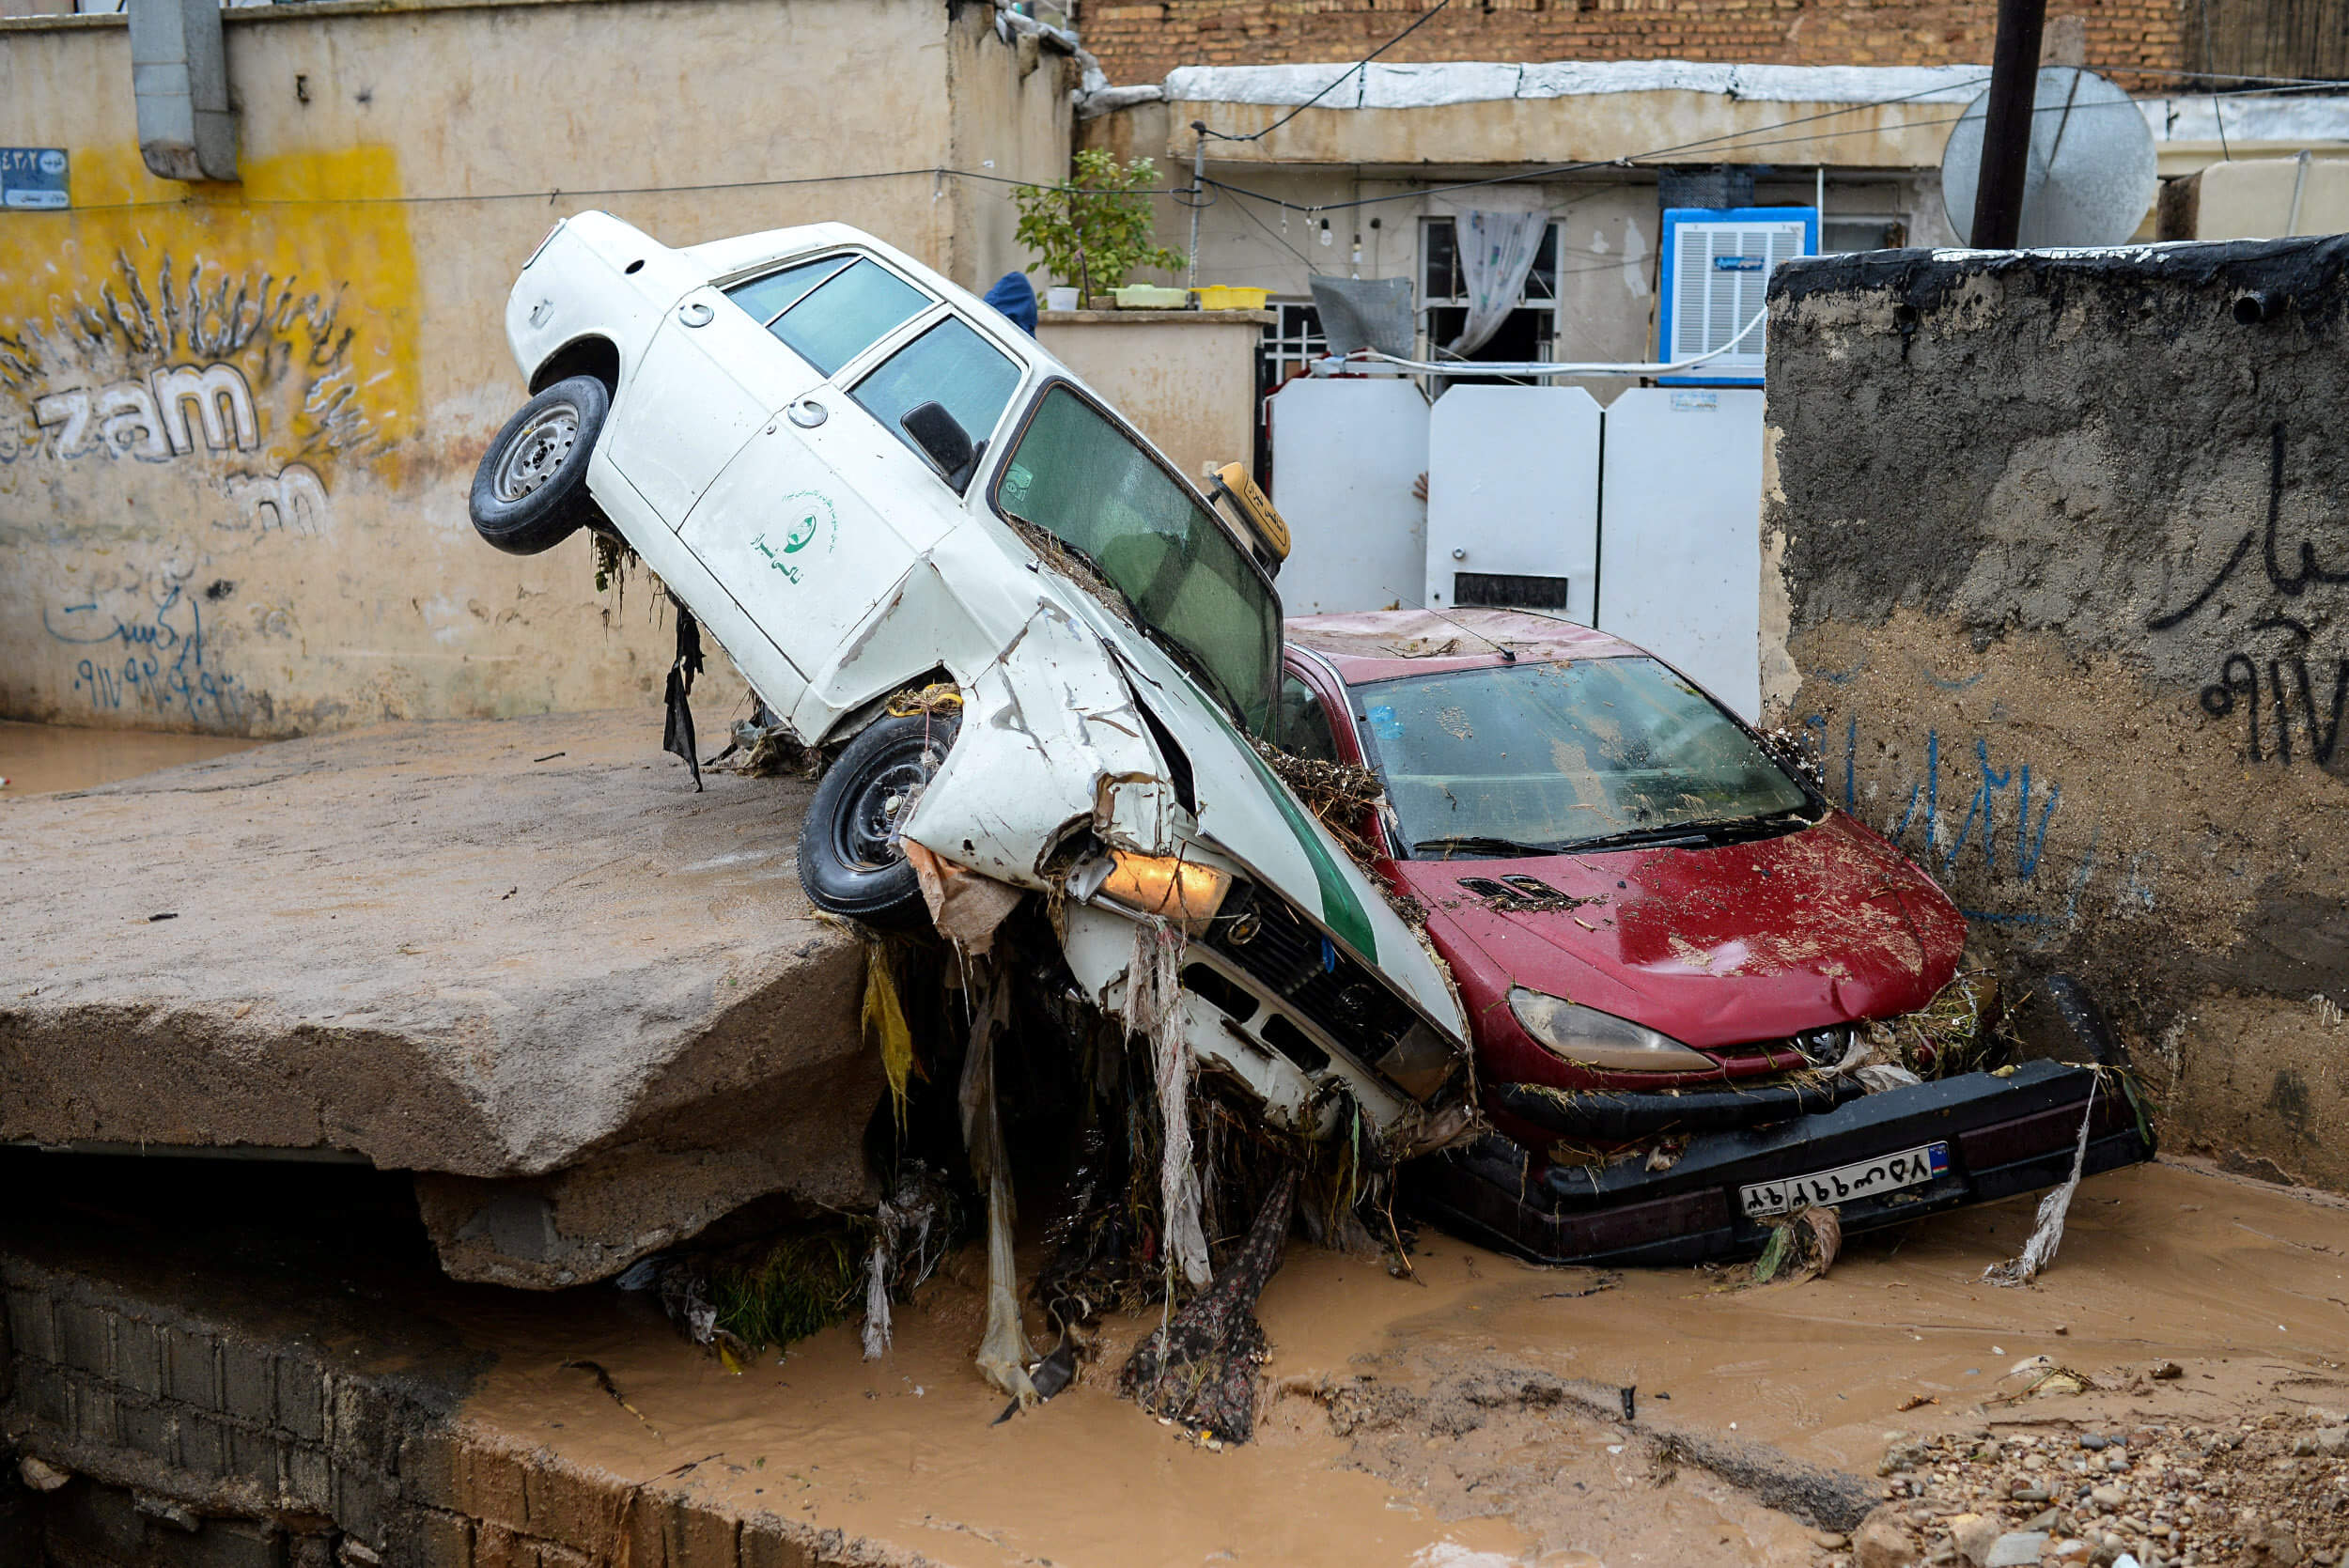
(1246, 812)
(1716, 947)
(1055, 739)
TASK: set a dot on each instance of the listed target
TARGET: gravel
(2271, 1491)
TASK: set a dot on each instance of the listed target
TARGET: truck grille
(1283, 952)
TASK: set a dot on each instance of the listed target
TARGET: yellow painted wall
(237, 422)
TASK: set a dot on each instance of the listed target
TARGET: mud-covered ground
(37, 758)
(1472, 1415)
(1471, 1412)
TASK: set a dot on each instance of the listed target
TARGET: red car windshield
(1544, 756)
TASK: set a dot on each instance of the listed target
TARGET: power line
(1740, 137)
(1355, 69)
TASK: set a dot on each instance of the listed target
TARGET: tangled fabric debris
(1154, 1011)
(1199, 1368)
(1003, 1351)
(2046, 1231)
(914, 1229)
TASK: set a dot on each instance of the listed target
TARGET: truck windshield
(1551, 756)
(1083, 480)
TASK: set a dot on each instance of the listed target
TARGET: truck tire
(849, 860)
(530, 492)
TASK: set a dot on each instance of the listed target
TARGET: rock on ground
(590, 1008)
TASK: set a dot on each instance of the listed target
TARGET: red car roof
(1380, 645)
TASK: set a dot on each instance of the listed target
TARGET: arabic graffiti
(2293, 603)
(149, 649)
(1997, 847)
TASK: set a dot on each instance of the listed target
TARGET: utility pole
(1198, 192)
(2007, 125)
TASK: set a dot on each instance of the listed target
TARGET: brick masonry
(197, 1440)
(1141, 42)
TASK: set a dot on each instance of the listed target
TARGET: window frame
(847, 370)
(1550, 311)
(857, 371)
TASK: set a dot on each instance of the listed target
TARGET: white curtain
(1496, 252)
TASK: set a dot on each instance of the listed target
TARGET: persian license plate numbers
(1846, 1183)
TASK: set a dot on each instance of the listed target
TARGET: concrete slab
(589, 1007)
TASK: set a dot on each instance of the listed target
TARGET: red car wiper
(1679, 834)
(1478, 845)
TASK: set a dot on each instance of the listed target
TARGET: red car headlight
(1589, 1038)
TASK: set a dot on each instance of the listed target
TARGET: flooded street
(1400, 1428)
(36, 759)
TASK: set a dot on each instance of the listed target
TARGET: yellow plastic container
(1151, 296)
(1221, 296)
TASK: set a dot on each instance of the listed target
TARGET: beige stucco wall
(1186, 379)
(1610, 221)
(2251, 198)
(307, 562)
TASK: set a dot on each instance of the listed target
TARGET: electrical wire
(1355, 69)
(1742, 138)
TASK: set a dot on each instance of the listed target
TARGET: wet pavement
(38, 758)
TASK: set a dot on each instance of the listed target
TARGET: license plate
(1884, 1173)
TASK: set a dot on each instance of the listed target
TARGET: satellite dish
(2091, 171)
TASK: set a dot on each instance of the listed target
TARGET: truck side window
(1304, 727)
(831, 311)
(950, 364)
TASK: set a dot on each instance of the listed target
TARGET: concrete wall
(302, 559)
(1186, 377)
(2056, 577)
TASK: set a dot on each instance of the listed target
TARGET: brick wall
(193, 1440)
(1143, 42)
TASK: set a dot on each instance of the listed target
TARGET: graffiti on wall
(2287, 701)
(1974, 824)
(160, 419)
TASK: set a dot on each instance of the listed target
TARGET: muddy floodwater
(1397, 1430)
(36, 759)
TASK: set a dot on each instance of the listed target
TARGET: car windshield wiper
(1682, 833)
(1477, 843)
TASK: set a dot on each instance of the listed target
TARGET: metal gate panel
(1512, 499)
(1346, 454)
(1680, 560)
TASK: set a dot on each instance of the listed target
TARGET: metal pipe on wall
(2007, 125)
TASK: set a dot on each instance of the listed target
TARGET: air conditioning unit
(1717, 267)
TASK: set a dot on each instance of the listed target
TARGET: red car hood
(1716, 947)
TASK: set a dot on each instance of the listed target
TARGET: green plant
(1095, 229)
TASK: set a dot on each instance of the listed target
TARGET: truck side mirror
(940, 438)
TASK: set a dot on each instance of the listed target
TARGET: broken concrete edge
(184, 1422)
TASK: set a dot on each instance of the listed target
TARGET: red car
(1667, 940)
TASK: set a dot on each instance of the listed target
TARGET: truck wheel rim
(876, 811)
(537, 451)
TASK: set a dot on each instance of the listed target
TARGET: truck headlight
(1589, 1038)
(1185, 891)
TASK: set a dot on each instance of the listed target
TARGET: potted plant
(1091, 230)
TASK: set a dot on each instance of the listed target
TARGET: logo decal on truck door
(810, 514)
